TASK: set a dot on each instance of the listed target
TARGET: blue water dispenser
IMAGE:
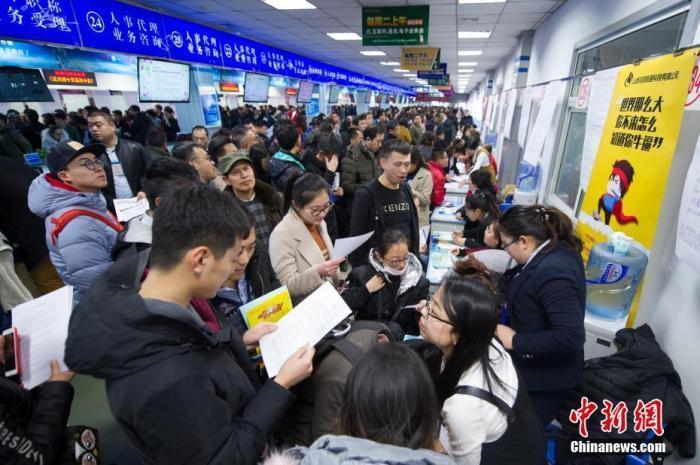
(613, 274)
(526, 184)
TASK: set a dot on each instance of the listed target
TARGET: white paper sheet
(424, 234)
(541, 130)
(525, 116)
(307, 323)
(347, 245)
(130, 208)
(688, 233)
(42, 325)
(602, 87)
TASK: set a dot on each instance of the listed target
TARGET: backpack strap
(60, 223)
(350, 351)
(486, 396)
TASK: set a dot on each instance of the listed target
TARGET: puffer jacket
(387, 304)
(345, 450)
(358, 168)
(282, 165)
(82, 250)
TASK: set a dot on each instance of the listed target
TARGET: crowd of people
(470, 374)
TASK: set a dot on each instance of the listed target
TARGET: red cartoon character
(618, 185)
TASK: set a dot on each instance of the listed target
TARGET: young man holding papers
(182, 389)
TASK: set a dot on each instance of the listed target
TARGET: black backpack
(335, 340)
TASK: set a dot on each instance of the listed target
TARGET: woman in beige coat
(300, 247)
(421, 182)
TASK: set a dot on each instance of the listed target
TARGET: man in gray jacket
(361, 165)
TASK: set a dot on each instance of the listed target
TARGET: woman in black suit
(546, 301)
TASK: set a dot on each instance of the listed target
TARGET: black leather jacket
(134, 160)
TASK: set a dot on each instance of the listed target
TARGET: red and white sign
(692, 101)
(229, 86)
(584, 91)
(291, 91)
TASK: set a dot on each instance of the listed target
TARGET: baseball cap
(227, 161)
(63, 152)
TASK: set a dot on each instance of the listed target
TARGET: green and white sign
(405, 25)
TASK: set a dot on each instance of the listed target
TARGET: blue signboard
(193, 42)
(43, 20)
(110, 25)
(116, 26)
(435, 73)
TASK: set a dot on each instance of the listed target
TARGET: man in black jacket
(24, 228)
(179, 382)
(125, 160)
(386, 203)
(140, 124)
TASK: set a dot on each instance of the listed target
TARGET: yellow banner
(418, 58)
(636, 149)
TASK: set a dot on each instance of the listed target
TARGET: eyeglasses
(505, 246)
(397, 263)
(92, 165)
(318, 211)
(429, 313)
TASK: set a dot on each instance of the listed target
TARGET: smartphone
(11, 352)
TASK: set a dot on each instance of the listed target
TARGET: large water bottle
(613, 274)
(528, 177)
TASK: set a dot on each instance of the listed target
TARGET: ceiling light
(410, 75)
(466, 63)
(473, 34)
(343, 35)
(290, 4)
(465, 71)
(462, 2)
(372, 53)
(399, 70)
(469, 53)
(389, 63)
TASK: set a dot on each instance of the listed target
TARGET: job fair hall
(383, 170)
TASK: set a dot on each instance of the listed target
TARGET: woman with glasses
(80, 231)
(486, 413)
(391, 281)
(300, 247)
(546, 299)
(480, 210)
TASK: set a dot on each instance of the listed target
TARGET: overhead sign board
(405, 25)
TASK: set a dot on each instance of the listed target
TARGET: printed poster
(688, 233)
(210, 106)
(629, 176)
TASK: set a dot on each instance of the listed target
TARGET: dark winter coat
(182, 394)
(639, 371)
(13, 144)
(33, 423)
(546, 303)
(269, 198)
(17, 222)
(134, 161)
(281, 170)
(358, 168)
(366, 217)
(386, 305)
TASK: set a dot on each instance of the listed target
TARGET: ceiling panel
(304, 31)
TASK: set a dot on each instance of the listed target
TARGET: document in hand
(307, 323)
(128, 209)
(42, 326)
(347, 245)
(268, 308)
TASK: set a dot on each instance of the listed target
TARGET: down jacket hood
(48, 195)
(344, 450)
(409, 279)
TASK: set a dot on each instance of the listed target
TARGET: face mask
(395, 272)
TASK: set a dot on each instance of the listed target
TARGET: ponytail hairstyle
(303, 188)
(481, 178)
(542, 223)
(469, 301)
(484, 201)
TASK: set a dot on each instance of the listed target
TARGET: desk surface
(440, 260)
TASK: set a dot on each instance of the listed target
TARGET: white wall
(553, 43)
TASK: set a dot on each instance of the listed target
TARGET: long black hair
(484, 201)
(303, 188)
(481, 179)
(469, 300)
(542, 223)
(389, 398)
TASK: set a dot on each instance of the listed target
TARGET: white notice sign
(688, 234)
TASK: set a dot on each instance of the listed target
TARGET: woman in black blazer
(546, 301)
